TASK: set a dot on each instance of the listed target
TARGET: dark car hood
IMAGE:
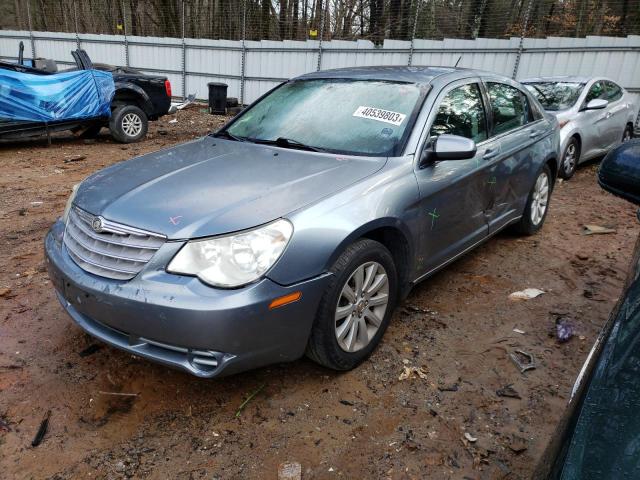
(213, 186)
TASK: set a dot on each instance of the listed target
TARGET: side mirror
(597, 104)
(454, 147)
(619, 172)
(448, 147)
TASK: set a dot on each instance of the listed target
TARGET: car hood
(213, 186)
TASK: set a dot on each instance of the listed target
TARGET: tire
(628, 133)
(128, 124)
(528, 224)
(324, 347)
(570, 159)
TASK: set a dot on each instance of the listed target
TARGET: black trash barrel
(217, 98)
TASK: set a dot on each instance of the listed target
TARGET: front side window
(358, 117)
(556, 95)
(507, 107)
(462, 113)
(614, 92)
(597, 90)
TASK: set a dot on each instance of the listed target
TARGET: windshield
(357, 117)
(556, 95)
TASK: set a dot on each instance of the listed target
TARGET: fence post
(184, 56)
(521, 44)
(321, 35)
(413, 33)
(243, 65)
(33, 42)
(126, 40)
(75, 21)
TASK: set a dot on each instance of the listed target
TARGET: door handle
(490, 153)
(534, 134)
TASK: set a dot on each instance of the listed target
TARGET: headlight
(234, 260)
(67, 208)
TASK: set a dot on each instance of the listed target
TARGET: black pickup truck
(138, 98)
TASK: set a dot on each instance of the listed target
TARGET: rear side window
(462, 113)
(614, 91)
(508, 107)
(597, 90)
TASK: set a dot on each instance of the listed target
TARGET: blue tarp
(56, 97)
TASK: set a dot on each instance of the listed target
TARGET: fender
(130, 89)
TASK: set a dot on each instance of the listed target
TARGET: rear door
(518, 127)
(454, 193)
(617, 112)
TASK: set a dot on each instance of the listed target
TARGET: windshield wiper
(229, 136)
(288, 143)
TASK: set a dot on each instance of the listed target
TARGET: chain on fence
(374, 20)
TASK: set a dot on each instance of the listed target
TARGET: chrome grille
(113, 251)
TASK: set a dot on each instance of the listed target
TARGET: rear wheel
(536, 209)
(628, 133)
(128, 124)
(570, 159)
(356, 307)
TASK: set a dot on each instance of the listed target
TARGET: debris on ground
(42, 431)
(4, 424)
(119, 394)
(75, 158)
(526, 294)
(523, 360)
(597, 230)
(470, 437)
(90, 350)
(249, 398)
(4, 292)
(508, 391)
(290, 471)
(517, 444)
(413, 372)
(564, 330)
(517, 330)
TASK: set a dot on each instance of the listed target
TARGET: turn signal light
(285, 300)
(167, 87)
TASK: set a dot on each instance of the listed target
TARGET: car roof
(565, 78)
(412, 74)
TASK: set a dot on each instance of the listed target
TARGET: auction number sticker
(386, 116)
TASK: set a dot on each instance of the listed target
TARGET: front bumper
(179, 321)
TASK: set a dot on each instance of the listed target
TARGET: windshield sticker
(386, 132)
(386, 116)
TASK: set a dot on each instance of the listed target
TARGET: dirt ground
(458, 325)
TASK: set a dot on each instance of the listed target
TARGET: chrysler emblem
(96, 224)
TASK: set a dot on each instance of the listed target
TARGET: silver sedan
(594, 114)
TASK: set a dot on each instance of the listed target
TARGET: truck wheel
(356, 306)
(128, 124)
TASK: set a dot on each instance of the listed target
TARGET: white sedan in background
(594, 114)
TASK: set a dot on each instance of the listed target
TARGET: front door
(454, 193)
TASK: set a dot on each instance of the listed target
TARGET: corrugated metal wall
(266, 63)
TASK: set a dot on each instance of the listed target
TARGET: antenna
(458, 61)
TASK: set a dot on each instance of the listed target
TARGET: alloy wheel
(627, 135)
(540, 198)
(131, 124)
(570, 158)
(361, 307)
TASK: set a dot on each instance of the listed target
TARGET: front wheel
(570, 159)
(356, 307)
(536, 209)
(128, 124)
(628, 134)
